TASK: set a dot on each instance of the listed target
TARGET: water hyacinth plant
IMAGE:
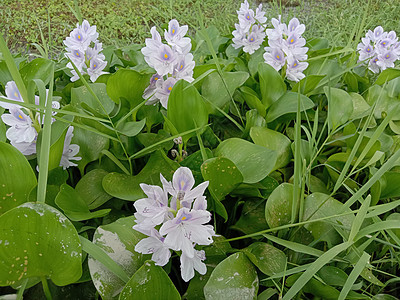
(270, 170)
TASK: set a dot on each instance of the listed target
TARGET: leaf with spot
(82, 97)
(118, 240)
(17, 178)
(253, 161)
(267, 258)
(36, 240)
(233, 278)
(150, 282)
(222, 174)
(278, 209)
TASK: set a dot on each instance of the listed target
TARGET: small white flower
(163, 89)
(12, 93)
(149, 92)
(188, 265)
(154, 244)
(69, 151)
(187, 228)
(21, 129)
(96, 68)
(274, 57)
(184, 68)
(181, 187)
(175, 37)
(295, 69)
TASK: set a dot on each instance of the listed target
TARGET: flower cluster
(286, 48)
(379, 49)
(171, 62)
(88, 60)
(175, 224)
(250, 32)
(22, 132)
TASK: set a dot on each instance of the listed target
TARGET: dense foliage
(297, 173)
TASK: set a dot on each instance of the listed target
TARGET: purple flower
(188, 265)
(181, 188)
(163, 89)
(154, 244)
(187, 228)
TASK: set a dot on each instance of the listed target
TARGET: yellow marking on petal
(155, 78)
(170, 88)
(15, 94)
(79, 37)
(181, 67)
(20, 117)
(278, 57)
(387, 55)
(294, 65)
(292, 40)
(182, 184)
(251, 39)
(248, 17)
(94, 66)
(183, 218)
(166, 55)
(173, 31)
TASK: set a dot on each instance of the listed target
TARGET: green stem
(21, 290)
(46, 289)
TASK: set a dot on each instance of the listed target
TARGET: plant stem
(46, 289)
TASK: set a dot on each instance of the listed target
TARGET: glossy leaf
(267, 258)
(17, 178)
(82, 97)
(340, 107)
(118, 240)
(222, 174)
(275, 141)
(271, 84)
(39, 68)
(253, 161)
(38, 241)
(233, 278)
(74, 206)
(278, 209)
(287, 104)
(150, 282)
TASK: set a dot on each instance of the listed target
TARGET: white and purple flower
(379, 49)
(181, 222)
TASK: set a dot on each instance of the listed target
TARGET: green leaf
(131, 128)
(222, 174)
(90, 188)
(252, 100)
(308, 84)
(387, 75)
(128, 84)
(39, 68)
(74, 206)
(233, 278)
(46, 245)
(127, 187)
(214, 89)
(271, 84)
(340, 107)
(360, 106)
(275, 141)
(278, 208)
(186, 109)
(82, 97)
(252, 218)
(267, 258)
(287, 104)
(253, 161)
(118, 240)
(17, 178)
(319, 205)
(150, 282)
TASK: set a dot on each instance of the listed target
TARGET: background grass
(122, 22)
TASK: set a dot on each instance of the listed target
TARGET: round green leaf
(90, 188)
(233, 278)
(128, 84)
(74, 206)
(150, 282)
(318, 205)
(127, 187)
(287, 104)
(186, 108)
(253, 161)
(39, 68)
(214, 89)
(271, 84)
(278, 209)
(118, 240)
(36, 240)
(340, 106)
(81, 96)
(222, 174)
(273, 140)
(17, 178)
(267, 258)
